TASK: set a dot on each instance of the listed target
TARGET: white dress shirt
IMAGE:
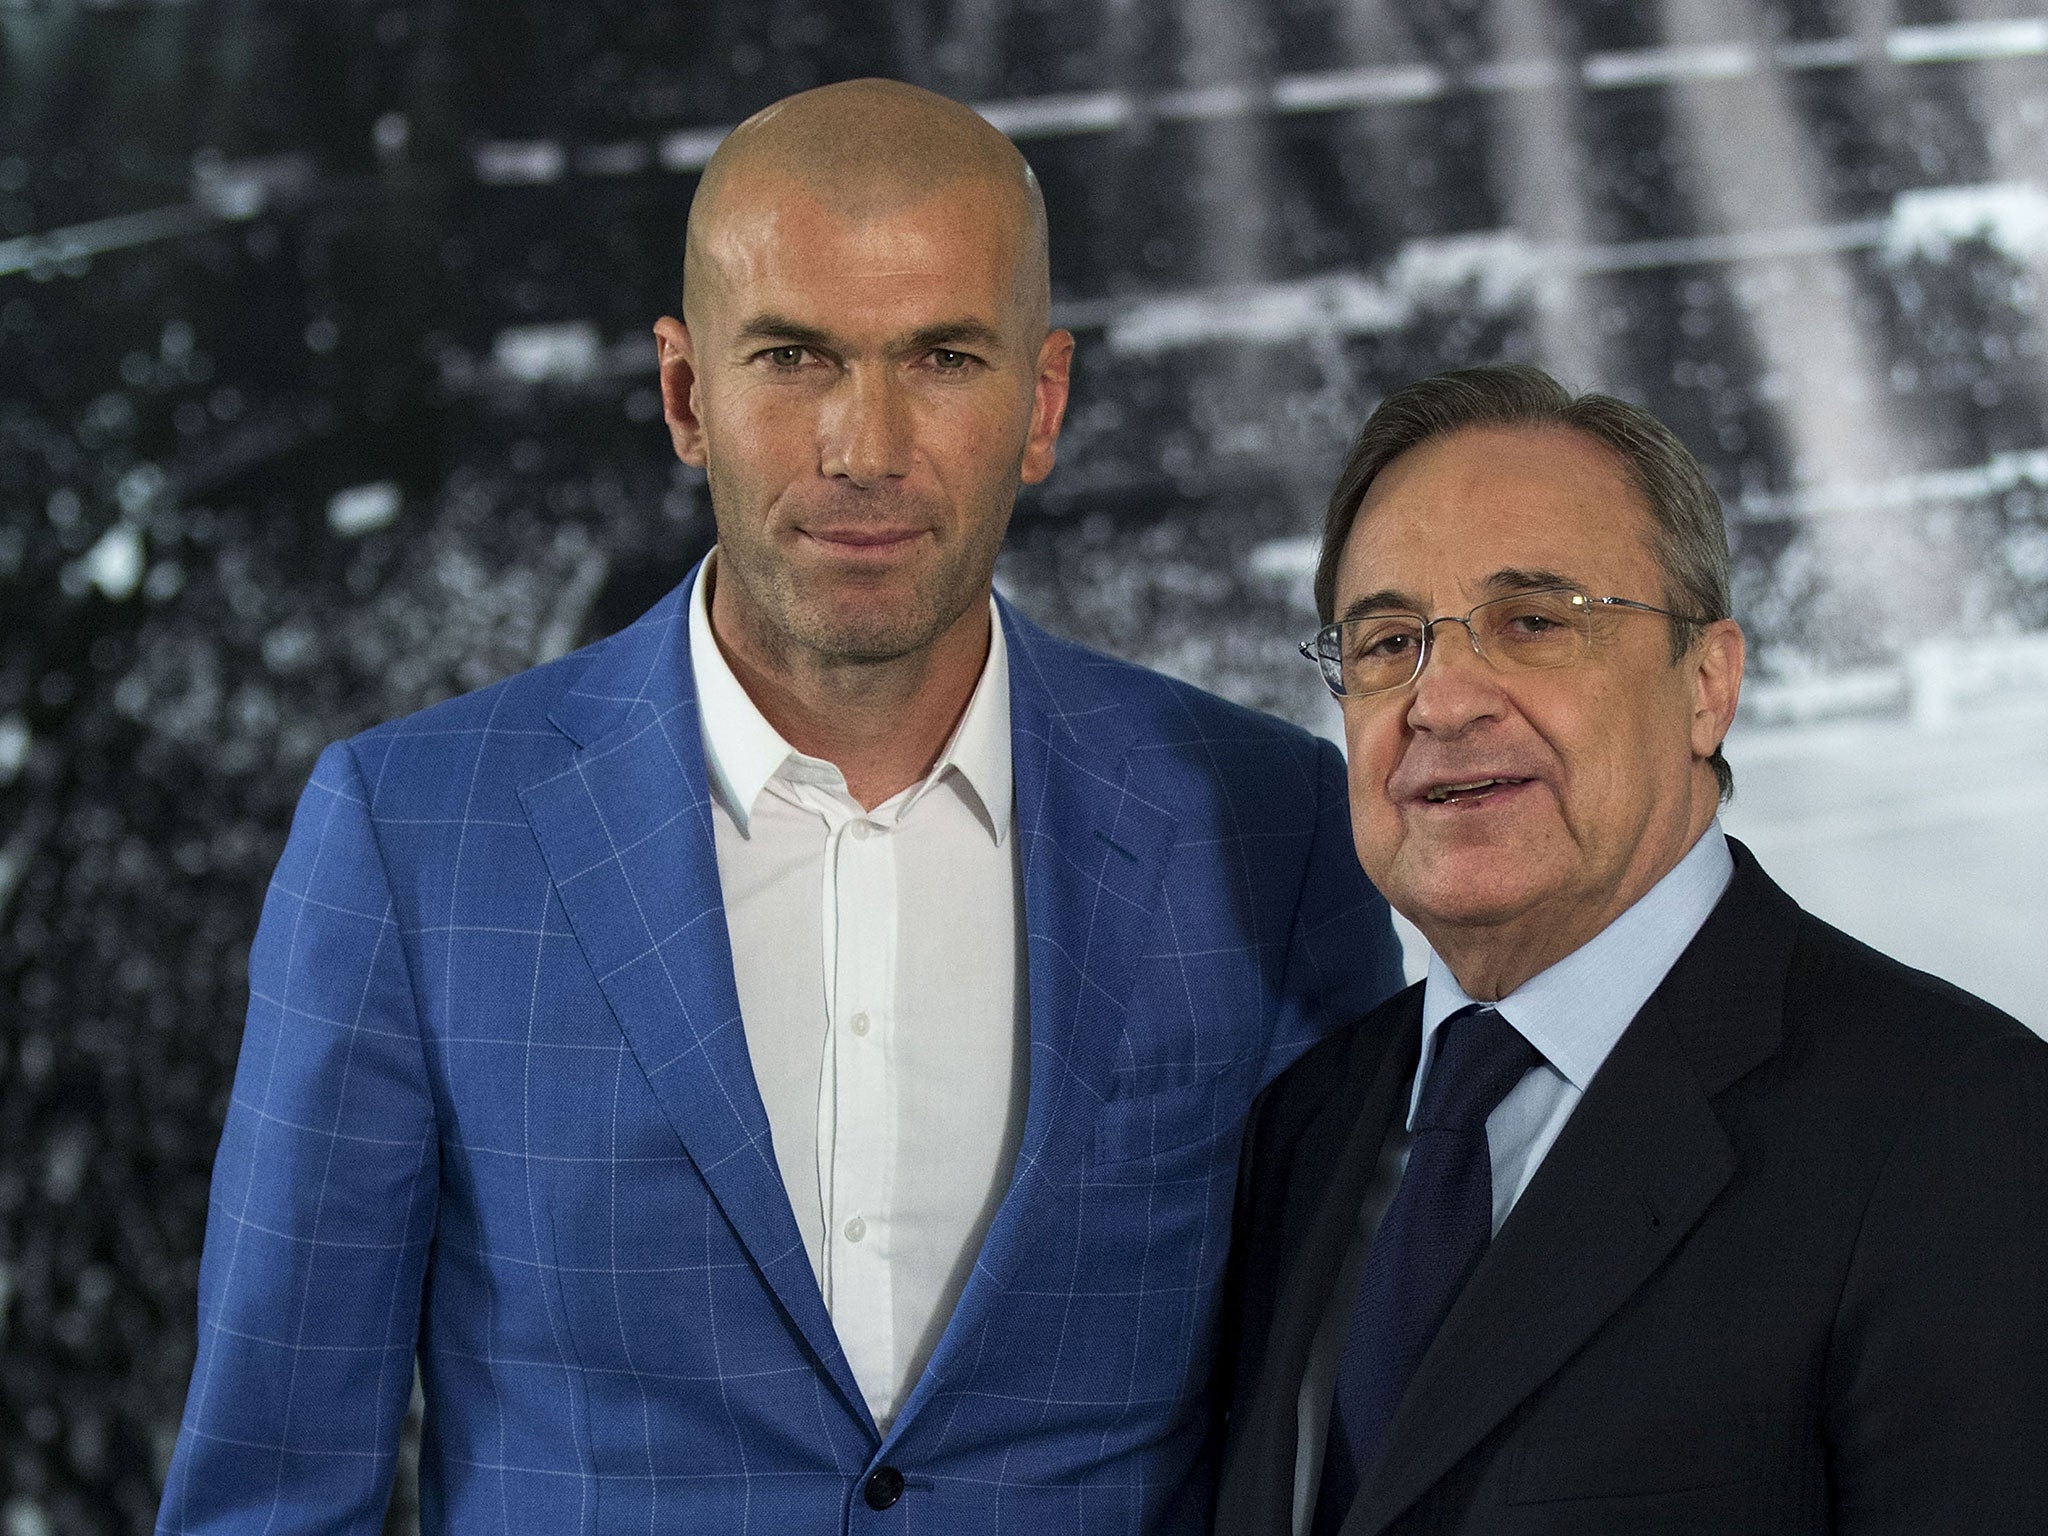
(1573, 1013)
(880, 961)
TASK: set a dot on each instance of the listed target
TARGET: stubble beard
(796, 617)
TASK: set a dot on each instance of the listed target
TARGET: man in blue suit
(781, 1068)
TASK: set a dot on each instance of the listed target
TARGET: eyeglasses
(1528, 631)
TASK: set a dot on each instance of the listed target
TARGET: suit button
(884, 1488)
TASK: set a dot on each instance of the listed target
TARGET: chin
(1467, 888)
(867, 630)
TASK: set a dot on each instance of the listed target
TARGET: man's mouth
(863, 538)
(1468, 791)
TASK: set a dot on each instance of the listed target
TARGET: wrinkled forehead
(1445, 519)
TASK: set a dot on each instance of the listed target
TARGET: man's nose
(867, 435)
(1457, 685)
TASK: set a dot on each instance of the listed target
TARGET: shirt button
(860, 1024)
(856, 1229)
(883, 1489)
(863, 830)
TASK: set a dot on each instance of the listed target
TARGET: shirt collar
(742, 751)
(1575, 1011)
(980, 749)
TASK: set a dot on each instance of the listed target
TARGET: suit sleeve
(1343, 959)
(1938, 1412)
(322, 1205)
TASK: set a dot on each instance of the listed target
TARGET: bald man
(781, 1068)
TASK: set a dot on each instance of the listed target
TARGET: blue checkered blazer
(494, 1112)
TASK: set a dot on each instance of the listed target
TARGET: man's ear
(1716, 662)
(679, 389)
(1048, 405)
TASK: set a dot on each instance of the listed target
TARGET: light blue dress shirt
(1573, 1013)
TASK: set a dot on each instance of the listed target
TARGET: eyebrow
(953, 333)
(1502, 583)
(1514, 579)
(1386, 600)
(774, 327)
(943, 334)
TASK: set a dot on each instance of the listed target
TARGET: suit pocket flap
(1644, 1456)
(1165, 1120)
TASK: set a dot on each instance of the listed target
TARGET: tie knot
(1480, 1056)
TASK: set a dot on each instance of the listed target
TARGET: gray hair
(1688, 537)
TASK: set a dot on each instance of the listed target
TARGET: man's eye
(949, 360)
(1383, 641)
(786, 357)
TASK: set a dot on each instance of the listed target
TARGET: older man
(781, 1069)
(1660, 1205)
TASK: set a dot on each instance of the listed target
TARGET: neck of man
(881, 723)
(1490, 960)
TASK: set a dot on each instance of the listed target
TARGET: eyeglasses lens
(1376, 653)
(1533, 629)
(1528, 631)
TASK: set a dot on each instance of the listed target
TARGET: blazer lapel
(1635, 1168)
(1341, 1144)
(627, 834)
(1094, 854)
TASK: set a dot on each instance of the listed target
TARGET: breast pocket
(1167, 1120)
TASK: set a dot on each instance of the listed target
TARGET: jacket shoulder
(1103, 696)
(521, 701)
(476, 748)
(1897, 1031)
(1912, 1020)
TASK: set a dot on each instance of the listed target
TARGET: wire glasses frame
(1524, 631)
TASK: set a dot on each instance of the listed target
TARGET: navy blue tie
(1427, 1246)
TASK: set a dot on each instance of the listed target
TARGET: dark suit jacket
(1786, 1268)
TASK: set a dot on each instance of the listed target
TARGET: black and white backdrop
(326, 391)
